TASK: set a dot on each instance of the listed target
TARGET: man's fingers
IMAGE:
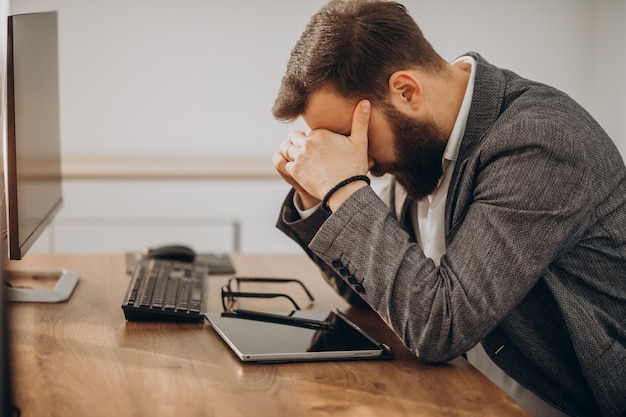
(360, 121)
(288, 144)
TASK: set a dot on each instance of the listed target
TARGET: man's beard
(419, 147)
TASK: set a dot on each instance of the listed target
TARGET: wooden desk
(82, 358)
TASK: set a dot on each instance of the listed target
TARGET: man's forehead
(326, 109)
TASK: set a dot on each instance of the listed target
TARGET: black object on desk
(219, 263)
(166, 290)
(286, 319)
(174, 252)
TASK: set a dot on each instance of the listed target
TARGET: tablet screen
(254, 340)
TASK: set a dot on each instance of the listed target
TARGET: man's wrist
(342, 191)
(305, 202)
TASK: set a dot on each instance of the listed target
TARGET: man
(502, 234)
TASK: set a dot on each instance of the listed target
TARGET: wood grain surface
(82, 358)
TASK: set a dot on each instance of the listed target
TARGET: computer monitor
(32, 151)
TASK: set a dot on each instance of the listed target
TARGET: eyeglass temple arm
(264, 295)
(277, 280)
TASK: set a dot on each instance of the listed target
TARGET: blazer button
(343, 271)
(336, 263)
(359, 288)
(351, 280)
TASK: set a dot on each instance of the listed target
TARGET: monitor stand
(50, 287)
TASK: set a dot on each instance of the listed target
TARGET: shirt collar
(454, 142)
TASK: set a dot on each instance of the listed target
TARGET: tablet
(257, 340)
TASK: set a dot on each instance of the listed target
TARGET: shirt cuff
(303, 213)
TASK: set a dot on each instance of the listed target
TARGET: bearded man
(501, 236)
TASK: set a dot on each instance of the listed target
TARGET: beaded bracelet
(341, 184)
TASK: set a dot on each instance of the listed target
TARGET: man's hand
(316, 162)
(280, 159)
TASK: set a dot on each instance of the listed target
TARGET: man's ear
(405, 90)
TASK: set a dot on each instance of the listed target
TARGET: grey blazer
(535, 268)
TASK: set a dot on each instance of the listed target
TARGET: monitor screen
(32, 153)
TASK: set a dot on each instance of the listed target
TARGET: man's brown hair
(353, 46)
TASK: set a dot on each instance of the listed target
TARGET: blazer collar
(489, 89)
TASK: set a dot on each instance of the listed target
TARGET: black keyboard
(166, 290)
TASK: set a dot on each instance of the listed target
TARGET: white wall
(162, 77)
(198, 78)
(607, 82)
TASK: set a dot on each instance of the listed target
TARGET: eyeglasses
(229, 297)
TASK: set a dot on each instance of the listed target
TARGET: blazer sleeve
(520, 204)
(302, 232)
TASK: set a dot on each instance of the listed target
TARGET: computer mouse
(173, 252)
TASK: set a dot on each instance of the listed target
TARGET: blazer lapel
(400, 205)
(484, 111)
